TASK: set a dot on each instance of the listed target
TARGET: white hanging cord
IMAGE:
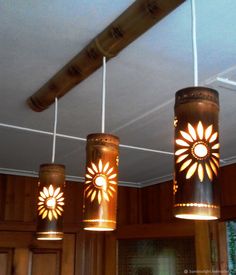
(54, 132)
(40, 132)
(226, 81)
(194, 43)
(103, 94)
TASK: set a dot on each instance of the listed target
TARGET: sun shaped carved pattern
(100, 181)
(51, 202)
(198, 151)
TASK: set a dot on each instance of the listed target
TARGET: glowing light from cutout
(200, 216)
(196, 217)
(100, 180)
(98, 229)
(50, 203)
(198, 151)
(49, 236)
(94, 228)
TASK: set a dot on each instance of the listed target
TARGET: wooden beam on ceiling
(131, 24)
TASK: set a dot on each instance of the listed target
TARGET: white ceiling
(39, 37)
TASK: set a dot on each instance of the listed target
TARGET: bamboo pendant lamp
(51, 199)
(50, 202)
(196, 154)
(101, 177)
(100, 188)
(197, 158)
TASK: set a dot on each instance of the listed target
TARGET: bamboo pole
(131, 24)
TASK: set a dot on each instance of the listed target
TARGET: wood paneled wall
(228, 192)
(157, 203)
(160, 197)
(18, 200)
(95, 253)
(142, 213)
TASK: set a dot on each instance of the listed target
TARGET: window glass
(156, 257)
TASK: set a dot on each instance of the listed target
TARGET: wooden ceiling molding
(131, 24)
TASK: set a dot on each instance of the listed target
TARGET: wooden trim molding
(23, 226)
(157, 230)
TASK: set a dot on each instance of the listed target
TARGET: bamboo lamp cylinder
(50, 202)
(196, 154)
(101, 182)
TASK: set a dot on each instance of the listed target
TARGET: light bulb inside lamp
(51, 203)
(100, 181)
(200, 150)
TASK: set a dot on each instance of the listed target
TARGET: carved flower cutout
(198, 151)
(100, 181)
(50, 203)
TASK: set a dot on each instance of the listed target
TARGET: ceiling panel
(23, 151)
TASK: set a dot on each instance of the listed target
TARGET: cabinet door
(45, 262)
(5, 261)
(21, 254)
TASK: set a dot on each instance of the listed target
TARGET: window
(156, 257)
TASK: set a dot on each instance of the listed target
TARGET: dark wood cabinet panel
(21, 254)
(157, 203)
(5, 261)
(45, 262)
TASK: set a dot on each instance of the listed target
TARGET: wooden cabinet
(5, 261)
(21, 254)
